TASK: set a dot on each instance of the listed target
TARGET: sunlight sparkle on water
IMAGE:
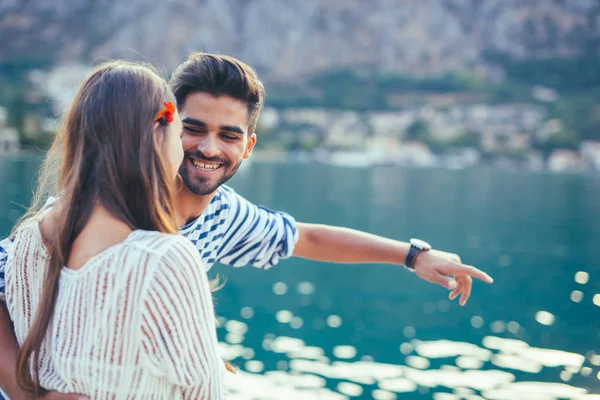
(534, 390)
(498, 326)
(566, 375)
(296, 323)
(344, 352)
(254, 366)
(231, 351)
(306, 288)
(476, 322)
(446, 348)
(248, 353)
(463, 392)
(299, 381)
(576, 296)
(409, 332)
(308, 352)
(379, 394)
(284, 344)
(445, 396)
(510, 361)
(308, 369)
(417, 362)
(284, 316)
(236, 327)
(399, 385)
(234, 338)
(280, 288)
(334, 321)
(350, 389)
(246, 386)
(247, 312)
(582, 277)
(503, 344)
(311, 375)
(406, 348)
(513, 327)
(545, 318)
(466, 362)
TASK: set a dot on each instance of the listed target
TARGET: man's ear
(250, 146)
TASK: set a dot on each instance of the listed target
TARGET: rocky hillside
(290, 39)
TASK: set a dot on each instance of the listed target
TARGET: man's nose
(208, 146)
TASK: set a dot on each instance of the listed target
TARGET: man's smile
(204, 165)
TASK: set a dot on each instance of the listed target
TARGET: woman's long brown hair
(111, 155)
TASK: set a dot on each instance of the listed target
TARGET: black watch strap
(411, 257)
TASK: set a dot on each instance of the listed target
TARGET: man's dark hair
(219, 75)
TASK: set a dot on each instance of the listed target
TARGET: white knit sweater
(136, 321)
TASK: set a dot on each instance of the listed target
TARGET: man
(219, 100)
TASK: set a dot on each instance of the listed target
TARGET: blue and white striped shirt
(231, 230)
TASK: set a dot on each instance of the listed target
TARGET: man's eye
(188, 129)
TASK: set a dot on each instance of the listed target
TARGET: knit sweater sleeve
(178, 327)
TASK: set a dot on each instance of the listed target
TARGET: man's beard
(203, 186)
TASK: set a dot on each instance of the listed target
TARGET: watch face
(420, 244)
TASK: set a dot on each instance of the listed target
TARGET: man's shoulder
(225, 198)
(226, 194)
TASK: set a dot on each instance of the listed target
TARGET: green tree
(418, 130)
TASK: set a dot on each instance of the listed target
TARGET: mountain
(293, 40)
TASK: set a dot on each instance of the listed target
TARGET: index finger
(462, 269)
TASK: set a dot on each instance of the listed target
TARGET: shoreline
(360, 160)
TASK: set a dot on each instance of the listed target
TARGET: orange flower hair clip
(167, 112)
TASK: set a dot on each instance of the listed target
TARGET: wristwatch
(416, 247)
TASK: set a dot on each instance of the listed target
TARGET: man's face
(215, 140)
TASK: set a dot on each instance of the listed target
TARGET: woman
(105, 298)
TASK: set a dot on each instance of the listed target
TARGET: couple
(105, 299)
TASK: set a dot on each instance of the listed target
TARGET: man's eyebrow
(201, 124)
(231, 128)
(192, 121)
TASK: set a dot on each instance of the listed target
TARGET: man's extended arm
(261, 237)
(343, 245)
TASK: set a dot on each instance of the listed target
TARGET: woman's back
(136, 320)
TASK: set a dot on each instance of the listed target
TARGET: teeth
(202, 165)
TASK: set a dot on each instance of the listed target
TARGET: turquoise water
(321, 331)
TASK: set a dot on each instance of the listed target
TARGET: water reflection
(474, 374)
(305, 330)
(529, 336)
